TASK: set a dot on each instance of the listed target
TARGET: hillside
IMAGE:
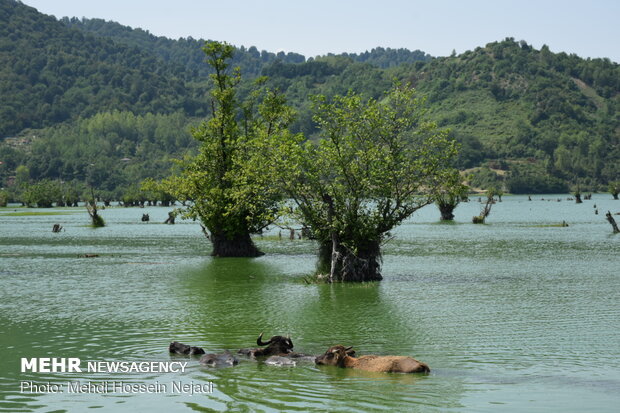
(556, 113)
(50, 73)
(98, 102)
(187, 51)
(546, 118)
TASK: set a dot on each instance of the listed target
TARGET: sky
(588, 28)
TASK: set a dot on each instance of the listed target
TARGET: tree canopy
(374, 164)
(229, 199)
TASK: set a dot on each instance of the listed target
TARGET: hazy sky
(588, 28)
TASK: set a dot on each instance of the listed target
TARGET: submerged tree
(376, 163)
(449, 195)
(4, 198)
(43, 194)
(93, 212)
(614, 189)
(486, 210)
(577, 194)
(230, 201)
(612, 221)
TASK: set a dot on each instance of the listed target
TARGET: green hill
(50, 73)
(94, 101)
(543, 117)
(535, 110)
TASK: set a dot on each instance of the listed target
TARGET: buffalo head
(334, 356)
(275, 346)
(180, 348)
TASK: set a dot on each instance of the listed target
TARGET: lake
(515, 315)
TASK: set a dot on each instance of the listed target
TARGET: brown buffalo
(340, 356)
(276, 346)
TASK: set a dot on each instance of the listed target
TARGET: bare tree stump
(170, 219)
(612, 221)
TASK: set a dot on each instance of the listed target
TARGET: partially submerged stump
(478, 220)
(612, 221)
(95, 218)
(170, 219)
(485, 211)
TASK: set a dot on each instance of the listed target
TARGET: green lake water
(514, 315)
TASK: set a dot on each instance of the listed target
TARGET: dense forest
(94, 102)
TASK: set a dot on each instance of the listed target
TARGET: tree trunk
(446, 211)
(342, 265)
(612, 221)
(238, 246)
(170, 219)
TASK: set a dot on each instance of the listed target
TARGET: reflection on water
(515, 314)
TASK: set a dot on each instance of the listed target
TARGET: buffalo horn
(260, 342)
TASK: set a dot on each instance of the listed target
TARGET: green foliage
(91, 206)
(532, 179)
(4, 198)
(449, 194)
(485, 178)
(41, 194)
(155, 191)
(230, 195)
(52, 73)
(133, 195)
(97, 221)
(614, 188)
(110, 150)
(375, 163)
(471, 151)
(250, 60)
(504, 101)
(523, 104)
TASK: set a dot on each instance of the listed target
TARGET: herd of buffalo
(278, 350)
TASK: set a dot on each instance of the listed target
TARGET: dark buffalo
(225, 359)
(340, 356)
(276, 346)
(180, 348)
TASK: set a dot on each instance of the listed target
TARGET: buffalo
(219, 360)
(276, 346)
(340, 356)
(280, 361)
(180, 348)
